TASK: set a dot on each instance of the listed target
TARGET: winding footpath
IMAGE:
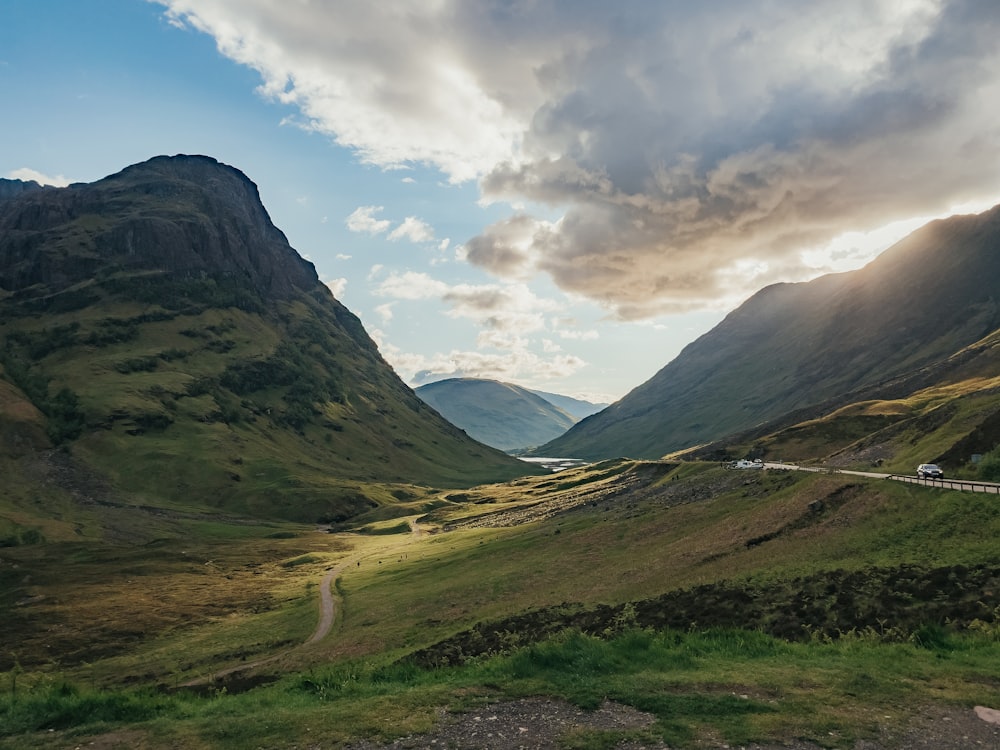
(327, 615)
(327, 612)
(327, 608)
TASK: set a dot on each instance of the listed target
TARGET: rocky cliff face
(12, 188)
(183, 217)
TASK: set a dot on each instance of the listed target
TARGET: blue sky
(556, 194)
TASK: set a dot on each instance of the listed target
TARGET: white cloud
(385, 312)
(337, 286)
(572, 335)
(680, 142)
(411, 285)
(519, 365)
(392, 80)
(506, 316)
(342, 256)
(28, 175)
(412, 229)
(362, 219)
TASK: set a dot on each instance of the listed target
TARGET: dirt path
(327, 606)
(327, 615)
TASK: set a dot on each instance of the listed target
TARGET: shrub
(989, 467)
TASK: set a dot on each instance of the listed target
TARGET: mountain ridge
(792, 346)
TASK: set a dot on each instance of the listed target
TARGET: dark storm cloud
(693, 151)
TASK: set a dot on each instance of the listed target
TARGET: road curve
(961, 485)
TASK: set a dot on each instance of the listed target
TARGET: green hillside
(184, 355)
(947, 414)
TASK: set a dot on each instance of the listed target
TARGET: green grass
(209, 592)
(738, 686)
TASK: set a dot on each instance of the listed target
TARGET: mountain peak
(184, 217)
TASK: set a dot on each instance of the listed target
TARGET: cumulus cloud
(693, 150)
(511, 309)
(412, 229)
(362, 219)
(31, 175)
(506, 316)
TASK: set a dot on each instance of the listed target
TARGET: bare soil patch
(539, 723)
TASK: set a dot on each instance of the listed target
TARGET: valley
(226, 522)
(529, 561)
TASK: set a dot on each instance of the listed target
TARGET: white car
(930, 471)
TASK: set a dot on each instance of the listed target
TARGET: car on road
(930, 471)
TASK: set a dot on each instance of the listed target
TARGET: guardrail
(950, 484)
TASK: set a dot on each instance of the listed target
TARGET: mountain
(793, 347)
(575, 407)
(159, 330)
(503, 415)
(945, 413)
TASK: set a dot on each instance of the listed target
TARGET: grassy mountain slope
(180, 348)
(793, 346)
(945, 413)
(503, 415)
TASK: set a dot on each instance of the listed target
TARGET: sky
(560, 194)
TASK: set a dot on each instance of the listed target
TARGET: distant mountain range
(504, 415)
(798, 351)
(159, 328)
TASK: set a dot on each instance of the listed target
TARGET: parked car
(930, 471)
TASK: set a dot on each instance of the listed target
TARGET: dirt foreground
(537, 723)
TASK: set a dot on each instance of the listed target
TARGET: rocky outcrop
(13, 188)
(186, 217)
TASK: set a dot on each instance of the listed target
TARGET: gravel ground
(534, 724)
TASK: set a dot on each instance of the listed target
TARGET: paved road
(962, 485)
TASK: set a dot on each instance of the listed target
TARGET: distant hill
(159, 328)
(503, 415)
(575, 407)
(793, 347)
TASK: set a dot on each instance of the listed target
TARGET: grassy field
(104, 633)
